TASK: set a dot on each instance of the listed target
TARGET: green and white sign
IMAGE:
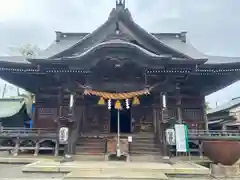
(181, 132)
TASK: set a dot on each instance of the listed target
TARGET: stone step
(90, 140)
(145, 149)
(85, 148)
(90, 147)
(142, 144)
(89, 153)
(115, 175)
(90, 144)
(146, 158)
(145, 136)
(139, 145)
(140, 152)
(146, 153)
(123, 168)
(89, 157)
(145, 146)
(143, 141)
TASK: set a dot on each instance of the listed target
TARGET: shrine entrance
(125, 120)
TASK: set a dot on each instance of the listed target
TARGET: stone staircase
(90, 148)
(145, 148)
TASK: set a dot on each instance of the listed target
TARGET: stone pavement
(39, 168)
(14, 171)
(24, 178)
(116, 170)
(115, 175)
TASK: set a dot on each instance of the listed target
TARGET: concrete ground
(13, 172)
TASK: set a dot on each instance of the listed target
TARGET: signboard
(129, 138)
(63, 135)
(181, 134)
(170, 137)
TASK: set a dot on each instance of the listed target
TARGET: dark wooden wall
(95, 118)
(192, 109)
(143, 117)
(45, 117)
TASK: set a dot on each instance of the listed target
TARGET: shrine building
(120, 80)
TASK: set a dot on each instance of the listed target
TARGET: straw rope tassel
(118, 105)
(136, 101)
(101, 101)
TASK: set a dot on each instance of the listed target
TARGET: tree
(207, 106)
(26, 50)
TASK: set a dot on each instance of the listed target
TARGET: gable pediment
(110, 34)
(119, 26)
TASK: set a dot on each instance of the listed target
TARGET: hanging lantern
(101, 101)
(109, 104)
(136, 101)
(71, 101)
(127, 104)
(164, 103)
(118, 105)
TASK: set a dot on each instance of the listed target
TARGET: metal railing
(210, 133)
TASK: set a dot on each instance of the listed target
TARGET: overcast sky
(213, 26)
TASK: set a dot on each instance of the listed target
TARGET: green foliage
(29, 50)
(207, 106)
(26, 50)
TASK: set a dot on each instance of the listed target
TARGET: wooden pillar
(65, 120)
(71, 126)
(164, 114)
(179, 106)
(59, 114)
(76, 126)
(157, 123)
(36, 151)
(35, 114)
(204, 110)
(201, 149)
(155, 120)
(17, 145)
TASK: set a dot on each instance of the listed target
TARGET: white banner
(63, 135)
(181, 132)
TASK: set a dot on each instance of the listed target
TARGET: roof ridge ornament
(120, 9)
(120, 4)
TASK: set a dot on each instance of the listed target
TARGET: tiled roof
(234, 102)
(222, 59)
(10, 107)
(185, 48)
(168, 39)
(66, 41)
(14, 59)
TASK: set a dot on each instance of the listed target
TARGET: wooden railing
(51, 133)
(26, 132)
